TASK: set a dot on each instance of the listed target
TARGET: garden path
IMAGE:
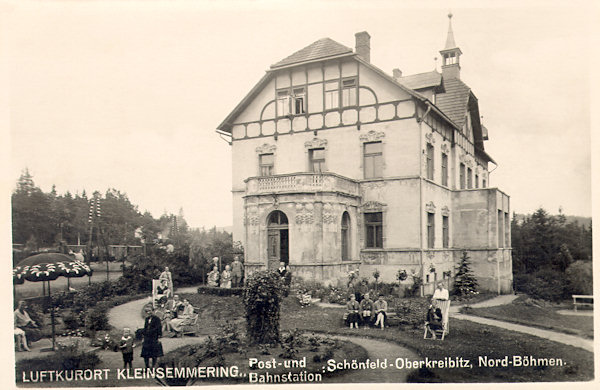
(559, 337)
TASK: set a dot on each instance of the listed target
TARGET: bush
(65, 358)
(71, 320)
(222, 292)
(412, 312)
(546, 284)
(97, 319)
(415, 289)
(262, 299)
(580, 277)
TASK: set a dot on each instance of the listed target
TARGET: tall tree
(465, 282)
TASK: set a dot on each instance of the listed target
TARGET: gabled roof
(454, 102)
(322, 48)
(422, 80)
(314, 52)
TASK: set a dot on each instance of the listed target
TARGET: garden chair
(445, 330)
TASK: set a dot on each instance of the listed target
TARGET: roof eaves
(226, 124)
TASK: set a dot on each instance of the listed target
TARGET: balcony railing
(301, 182)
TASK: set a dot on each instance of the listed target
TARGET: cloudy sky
(128, 95)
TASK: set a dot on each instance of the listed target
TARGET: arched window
(345, 236)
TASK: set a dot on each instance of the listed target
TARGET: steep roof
(422, 80)
(322, 48)
(454, 102)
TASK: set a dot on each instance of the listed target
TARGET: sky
(128, 95)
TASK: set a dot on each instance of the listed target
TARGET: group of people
(361, 310)
(230, 277)
(366, 312)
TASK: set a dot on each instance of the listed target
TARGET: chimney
(397, 73)
(363, 45)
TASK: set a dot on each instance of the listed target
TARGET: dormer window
(291, 101)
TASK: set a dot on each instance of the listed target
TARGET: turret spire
(450, 54)
(450, 44)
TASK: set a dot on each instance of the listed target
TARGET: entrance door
(277, 239)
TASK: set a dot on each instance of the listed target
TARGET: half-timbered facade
(338, 165)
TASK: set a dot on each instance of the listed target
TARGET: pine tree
(465, 283)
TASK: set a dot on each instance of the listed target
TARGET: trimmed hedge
(220, 291)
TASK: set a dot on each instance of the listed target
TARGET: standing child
(126, 347)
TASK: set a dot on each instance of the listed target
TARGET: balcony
(301, 183)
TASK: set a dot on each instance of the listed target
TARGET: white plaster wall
(441, 197)
(252, 112)
(385, 90)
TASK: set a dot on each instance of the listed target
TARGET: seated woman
(434, 320)
(213, 277)
(23, 324)
(163, 292)
(226, 277)
(380, 308)
(353, 308)
(366, 310)
(176, 324)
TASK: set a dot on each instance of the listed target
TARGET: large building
(338, 165)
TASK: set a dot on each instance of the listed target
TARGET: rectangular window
(430, 230)
(349, 92)
(462, 176)
(283, 102)
(483, 183)
(506, 231)
(266, 163)
(469, 178)
(444, 169)
(476, 181)
(373, 159)
(445, 232)
(299, 99)
(500, 229)
(430, 161)
(291, 102)
(316, 159)
(374, 230)
(332, 95)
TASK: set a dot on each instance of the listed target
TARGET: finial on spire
(450, 44)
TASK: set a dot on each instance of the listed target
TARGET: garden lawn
(467, 340)
(215, 310)
(522, 311)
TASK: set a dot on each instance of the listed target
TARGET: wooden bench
(582, 300)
